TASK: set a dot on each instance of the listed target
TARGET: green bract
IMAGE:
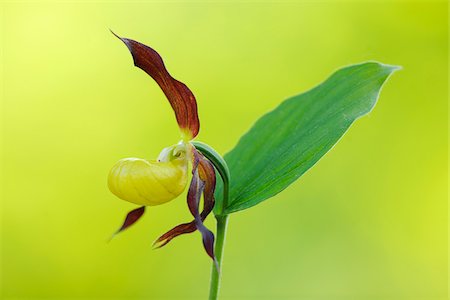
(283, 144)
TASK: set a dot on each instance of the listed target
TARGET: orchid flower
(277, 150)
(155, 182)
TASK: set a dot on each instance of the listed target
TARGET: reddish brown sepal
(180, 97)
(131, 218)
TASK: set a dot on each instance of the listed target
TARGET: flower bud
(149, 182)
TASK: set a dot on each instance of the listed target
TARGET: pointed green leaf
(283, 144)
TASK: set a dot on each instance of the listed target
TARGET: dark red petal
(208, 241)
(207, 174)
(174, 232)
(180, 97)
(195, 190)
(179, 230)
(131, 218)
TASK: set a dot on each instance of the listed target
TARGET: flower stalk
(221, 232)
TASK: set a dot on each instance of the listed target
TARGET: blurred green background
(369, 221)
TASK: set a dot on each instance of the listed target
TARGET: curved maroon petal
(174, 232)
(180, 97)
(131, 218)
(207, 174)
(193, 199)
(179, 230)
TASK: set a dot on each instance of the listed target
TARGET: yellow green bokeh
(369, 221)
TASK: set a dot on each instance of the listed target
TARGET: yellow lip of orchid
(150, 182)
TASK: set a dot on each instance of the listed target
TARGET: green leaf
(283, 144)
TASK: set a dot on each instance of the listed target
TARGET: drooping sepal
(179, 95)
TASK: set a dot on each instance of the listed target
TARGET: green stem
(222, 222)
(221, 232)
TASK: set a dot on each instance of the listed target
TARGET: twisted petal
(195, 190)
(207, 174)
(131, 218)
(174, 232)
(148, 182)
(203, 181)
(180, 97)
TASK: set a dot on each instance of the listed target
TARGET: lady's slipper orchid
(153, 182)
